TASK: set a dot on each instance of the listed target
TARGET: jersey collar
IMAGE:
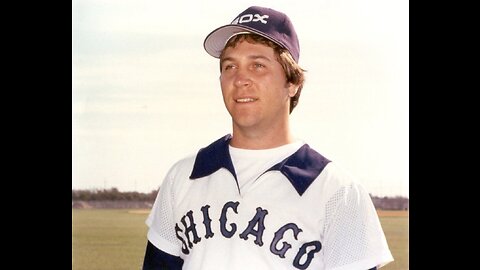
(301, 168)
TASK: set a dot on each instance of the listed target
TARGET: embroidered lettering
(223, 219)
(207, 222)
(279, 246)
(190, 229)
(279, 236)
(184, 244)
(246, 18)
(303, 250)
(257, 219)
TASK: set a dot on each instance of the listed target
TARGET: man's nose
(242, 78)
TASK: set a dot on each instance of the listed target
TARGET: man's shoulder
(336, 178)
(203, 156)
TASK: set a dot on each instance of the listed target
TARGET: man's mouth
(245, 100)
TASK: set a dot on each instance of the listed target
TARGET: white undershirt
(250, 164)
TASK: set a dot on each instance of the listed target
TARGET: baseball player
(259, 198)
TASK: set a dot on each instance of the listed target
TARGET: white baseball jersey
(294, 210)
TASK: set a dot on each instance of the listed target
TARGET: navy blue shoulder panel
(302, 168)
(155, 259)
(213, 157)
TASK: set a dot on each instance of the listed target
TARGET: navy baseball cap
(266, 22)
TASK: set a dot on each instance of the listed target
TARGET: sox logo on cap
(266, 22)
(251, 18)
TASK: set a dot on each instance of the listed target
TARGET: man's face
(254, 87)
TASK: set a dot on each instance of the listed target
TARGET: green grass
(396, 232)
(107, 239)
(116, 239)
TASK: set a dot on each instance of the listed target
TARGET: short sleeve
(160, 221)
(354, 238)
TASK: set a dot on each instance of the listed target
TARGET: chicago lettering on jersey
(255, 228)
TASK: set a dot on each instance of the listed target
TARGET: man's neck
(256, 141)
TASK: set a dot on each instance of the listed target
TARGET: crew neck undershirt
(250, 164)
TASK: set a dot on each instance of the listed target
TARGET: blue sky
(145, 93)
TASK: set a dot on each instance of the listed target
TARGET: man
(260, 198)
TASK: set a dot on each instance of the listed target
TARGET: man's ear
(292, 89)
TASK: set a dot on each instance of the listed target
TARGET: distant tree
(390, 203)
(112, 194)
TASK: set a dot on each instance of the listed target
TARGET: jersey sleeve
(354, 238)
(161, 232)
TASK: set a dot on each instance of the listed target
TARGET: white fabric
(334, 210)
(250, 164)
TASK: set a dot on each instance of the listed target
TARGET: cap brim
(215, 41)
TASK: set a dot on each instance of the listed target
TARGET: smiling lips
(245, 100)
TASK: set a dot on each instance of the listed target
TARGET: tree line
(113, 194)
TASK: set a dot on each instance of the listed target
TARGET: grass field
(115, 238)
(395, 226)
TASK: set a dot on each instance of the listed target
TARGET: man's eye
(258, 65)
(227, 67)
